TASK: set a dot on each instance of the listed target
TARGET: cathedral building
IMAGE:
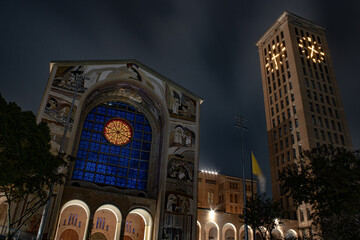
(302, 101)
(135, 138)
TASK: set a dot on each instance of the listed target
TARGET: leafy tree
(328, 178)
(27, 167)
(261, 213)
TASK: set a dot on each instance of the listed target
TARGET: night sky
(207, 47)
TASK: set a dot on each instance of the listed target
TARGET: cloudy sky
(206, 46)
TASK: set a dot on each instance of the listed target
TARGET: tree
(261, 213)
(328, 178)
(28, 168)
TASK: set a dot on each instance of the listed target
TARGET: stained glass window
(118, 131)
(114, 147)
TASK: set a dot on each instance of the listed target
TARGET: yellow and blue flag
(256, 170)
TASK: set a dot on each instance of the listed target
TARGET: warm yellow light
(212, 215)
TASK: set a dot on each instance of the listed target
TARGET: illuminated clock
(118, 131)
(276, 54)
(311, 49)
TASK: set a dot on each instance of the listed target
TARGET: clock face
(118, 131)
(276, 55)
(311, 49)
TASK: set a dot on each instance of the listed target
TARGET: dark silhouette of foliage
(328, 178)
(261, 213)
(27, 167)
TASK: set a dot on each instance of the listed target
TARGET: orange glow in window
(118, 131)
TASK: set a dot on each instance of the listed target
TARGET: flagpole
(240, 123)
(252, 183)
(252, 187)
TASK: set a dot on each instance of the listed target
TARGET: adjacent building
(302, 101)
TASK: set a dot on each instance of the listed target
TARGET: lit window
(105, 158)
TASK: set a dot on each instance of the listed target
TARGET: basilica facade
(134, 135)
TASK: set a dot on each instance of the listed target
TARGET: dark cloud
(206, 46)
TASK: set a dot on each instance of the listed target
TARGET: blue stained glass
(98, 127)
(125, 152)
(101, 110)
(78, 174)
(89, 176)
(120, 114)
(138, 126)
(111, 163)
(131, 108)
(135, 154)
(79, 164)
(131, 183)
(101, 168)
(136, 144)
(111, 112)
(115, 150)
(90, 166)
(103, 158)
(147, 128)
(132, 173)
(137, 135)
(111, 170)
(141, 185)
(90, 116)
(81, 154)
(113, 160)
(110, 180)
(94, 146)
(96, 137)
(84, 144)
(140, 118)
(134, 163)
(143, 175)
(145, 155)
(105, 148)
(130, 116)
(88, 125)
(99, 178)
(146, 146)
(92, 156)
(124, 162)
(128, 145)
(100, 118)
(144, 165)
(121, 182)
(85, 134)
(122, 172)
(147, 137)
(122, 105)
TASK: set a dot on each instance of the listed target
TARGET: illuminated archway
(107, 221)
(229, 232)
(291, 234)
(212, 231)
(198, 230)
(277, 234)
(138, 223)
(74, 216)
(242, 232)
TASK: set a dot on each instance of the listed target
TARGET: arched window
(114, 146)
